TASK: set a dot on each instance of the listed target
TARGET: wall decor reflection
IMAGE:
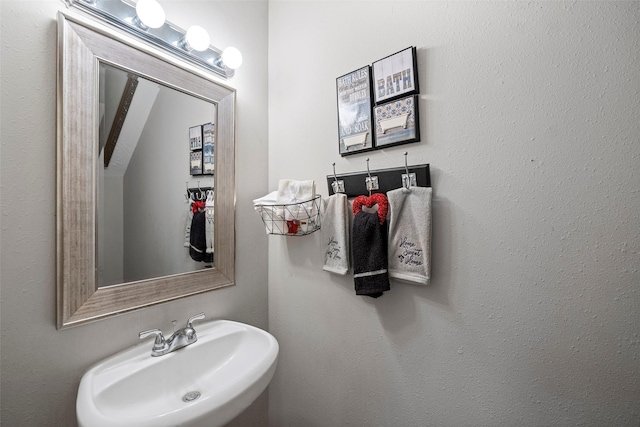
(354, 111)
(195, 137)
(397, 122)
(208, 148)
(396, 75)
(196, 162)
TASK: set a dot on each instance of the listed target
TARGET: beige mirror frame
(82, 43)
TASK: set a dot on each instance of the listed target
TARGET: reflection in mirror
(145, 214)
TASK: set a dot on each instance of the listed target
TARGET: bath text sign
(395, 75)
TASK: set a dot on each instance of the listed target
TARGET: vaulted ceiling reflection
(143, 168)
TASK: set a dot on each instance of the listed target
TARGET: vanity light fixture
(231, 57)
(196, 38)
(145, 19)
(149, 14)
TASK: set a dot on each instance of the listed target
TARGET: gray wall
(41, 367)
(110, 230)
(530, 121)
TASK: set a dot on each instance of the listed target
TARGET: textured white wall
(41, 367)
(530, 116)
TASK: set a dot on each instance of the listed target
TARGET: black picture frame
(195, 162)
(355, 130)
(195, 138)
(397, 122)
(395, 76)
(208, 148)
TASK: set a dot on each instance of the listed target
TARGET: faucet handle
(159, 343)
(192, 319)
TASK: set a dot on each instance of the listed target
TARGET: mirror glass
(156, 147)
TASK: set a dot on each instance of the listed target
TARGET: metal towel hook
(337, 185)
(406, 168)
(408, 179)
(371, 181)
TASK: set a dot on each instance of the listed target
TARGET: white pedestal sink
(207, 383)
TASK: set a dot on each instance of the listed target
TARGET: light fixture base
(121, 14)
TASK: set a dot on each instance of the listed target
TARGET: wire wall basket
(293, 219)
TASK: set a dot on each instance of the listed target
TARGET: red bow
(376, 198)
(197, 206)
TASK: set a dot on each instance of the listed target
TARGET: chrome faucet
(180, 338)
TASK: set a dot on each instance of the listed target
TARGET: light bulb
(197, 38)
(150, 13)
(231, 58)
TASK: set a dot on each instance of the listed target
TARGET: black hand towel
(198, 239)
(369, 243)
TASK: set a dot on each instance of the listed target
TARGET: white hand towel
(291, 192)
(187, 230)
(335, 234)
(410, 234)
(209, 209)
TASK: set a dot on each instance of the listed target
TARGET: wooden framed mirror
(83, 47)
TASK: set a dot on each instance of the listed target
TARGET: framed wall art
(395, 76)
(195, 163)
(355, 131)
(397, 122)
(208, 148)
(195, 137)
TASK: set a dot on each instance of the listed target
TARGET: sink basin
(207, 383)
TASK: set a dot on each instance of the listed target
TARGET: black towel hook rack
(356, 183)
(198, 193)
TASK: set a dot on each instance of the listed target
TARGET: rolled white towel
(269, 199)
(291, 191)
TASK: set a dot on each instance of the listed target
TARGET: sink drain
(191, 396)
